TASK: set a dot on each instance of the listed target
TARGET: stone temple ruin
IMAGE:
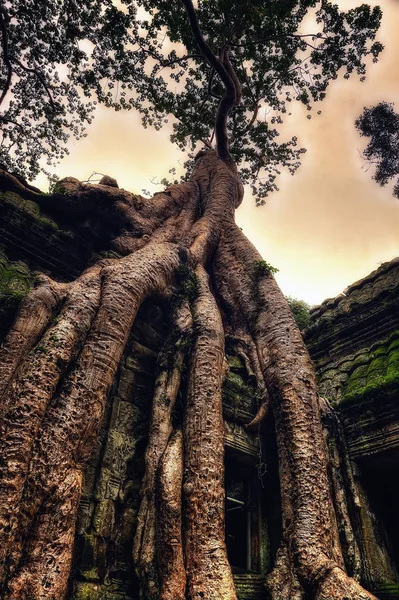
(354, 342)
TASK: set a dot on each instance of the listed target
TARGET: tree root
(337, 585)
(166, 388)
(309, 520)
(43, 444)
(26, 399)
(208, 571)
(57, 366)
(169, 518)
(34, 316)
(344, 494)
(282, 583)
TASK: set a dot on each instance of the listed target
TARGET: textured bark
(166, 390)
(169, 518)
(203, 487)
(308, 555)
(344, 494)
(61, 356)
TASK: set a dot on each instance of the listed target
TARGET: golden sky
(330, 224)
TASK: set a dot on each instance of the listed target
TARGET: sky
(330, 224)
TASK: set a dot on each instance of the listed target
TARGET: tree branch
(6, 57)
(278, 37)
(229, 68)
(40, 78)
(230, 96)
(253, 119)
(177, 60)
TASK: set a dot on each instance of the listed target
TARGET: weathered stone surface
(28, 235)
(354, 341)
(365, 313)
(16, 279)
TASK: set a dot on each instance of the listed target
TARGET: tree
(300, 311)
(380, 123)
(62, 352)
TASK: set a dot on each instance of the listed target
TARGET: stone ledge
(250, 586)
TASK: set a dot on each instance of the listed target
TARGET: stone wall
(354, 341)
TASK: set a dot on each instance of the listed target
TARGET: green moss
(357, 381)
(361, 359)
(235, 389)
(380, 351)
(49, 223)
(86, 591)
(394, 344)
(12, 198)
(393, 366)
(30, 207)
(387, 591)
(375, 375)
(393, 356)
(377, 370)
(235, 363)
(15, 282)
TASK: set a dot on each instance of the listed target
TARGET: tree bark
(309, 559)
(60, 358)
(203, 486)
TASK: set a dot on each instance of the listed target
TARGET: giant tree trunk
(58, 363)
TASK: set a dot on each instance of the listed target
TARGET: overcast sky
(330, 224)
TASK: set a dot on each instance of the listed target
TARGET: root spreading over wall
(60, 358)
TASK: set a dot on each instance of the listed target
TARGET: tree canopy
(380, 123)
(60, 58)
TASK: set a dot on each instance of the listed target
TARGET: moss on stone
(375, 374)
(16, 281)
(387, 591)
(86, 591)
(30, 207)
(394, 344)
(361, 359)
(235, 363)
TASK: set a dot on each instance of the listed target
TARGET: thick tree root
(309, 521)
(169, 518)
(166, 389)
(34, 316)
(57, 366)
(45, 445)
(208, 571)
(337, 585)
(27, 397)
(344, 494)
(282, 583)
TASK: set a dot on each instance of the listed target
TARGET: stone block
(85, 514)
(125, 416)
(104, 518)
(92, 562)
(135, 387)
(141, 359)
(118, 451)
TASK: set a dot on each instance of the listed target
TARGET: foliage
(381, 124)
(262, 268)
(300, 311)
(62, 57)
